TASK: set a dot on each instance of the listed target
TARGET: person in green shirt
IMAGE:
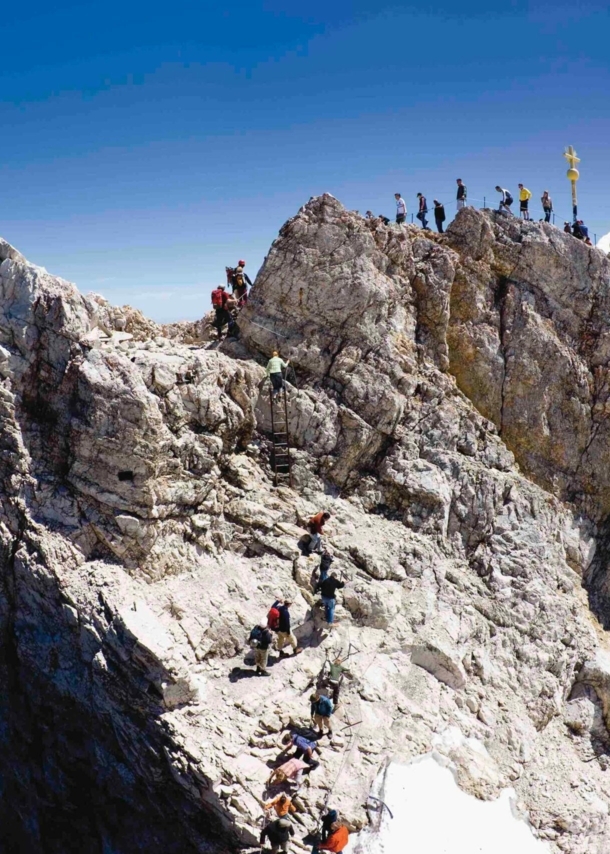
(274, 372)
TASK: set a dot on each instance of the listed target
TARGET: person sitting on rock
(274, 372)
(282, 804)
(567, 227)
(328, 589)
(278, 833)
(321, 710)
(327, 822)
(316, 529)
(284, 628)
(336, 841)
(289, 772)
(304, 748)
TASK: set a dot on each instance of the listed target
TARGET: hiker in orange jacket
(336, 842)
(282, 805)
(316, 528)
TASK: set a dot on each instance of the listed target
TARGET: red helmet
(241, 263)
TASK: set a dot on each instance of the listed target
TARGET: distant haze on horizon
(143, 150)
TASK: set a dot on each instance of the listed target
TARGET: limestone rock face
(447, 409)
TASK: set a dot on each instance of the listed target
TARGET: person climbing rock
(241, 282)
(422, 210)
(304, 748)
(327, 822)
(439, 215)
(328, 589)
(316, 529)
(261, 640)
(274, 372)
(282, 804)
(278, 833)
(506, 200)
(547, 205)
(401, 208)
(289, 772)
(332, 679)
(524, 198)
(461, 194)
(336, 841)
(321, 710)
(385, 220)
(326, 562)
(284, 630)
(221, 302)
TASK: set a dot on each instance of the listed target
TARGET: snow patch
(604, 243)
(431, 814)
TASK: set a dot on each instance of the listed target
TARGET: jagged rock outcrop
(142, 538)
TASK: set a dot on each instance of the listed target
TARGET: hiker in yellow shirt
(524, 197)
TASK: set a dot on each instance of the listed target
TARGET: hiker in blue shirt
(304, 748)
(321, 710)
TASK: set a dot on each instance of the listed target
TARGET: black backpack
(509, 199)
(255, 637)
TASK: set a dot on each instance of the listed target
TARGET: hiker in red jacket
(316, 527)
(221, 302)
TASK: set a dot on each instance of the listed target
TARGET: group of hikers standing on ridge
(506, 201)
(333, 834)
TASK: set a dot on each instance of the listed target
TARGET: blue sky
(145, 146)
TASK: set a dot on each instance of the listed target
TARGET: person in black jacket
(461, 194)
(284, 630)
(261, 651)
(278, 833)
(328, 589)
(439, 215)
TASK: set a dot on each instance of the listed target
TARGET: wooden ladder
(280, 454)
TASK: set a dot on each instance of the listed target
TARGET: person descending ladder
(278, 403)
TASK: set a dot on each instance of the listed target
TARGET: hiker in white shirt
(401, 208)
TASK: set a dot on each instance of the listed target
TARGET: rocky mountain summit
(449, 409)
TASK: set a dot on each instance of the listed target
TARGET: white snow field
(604, 243)
(433, 816)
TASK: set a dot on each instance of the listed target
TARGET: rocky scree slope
(142, 538)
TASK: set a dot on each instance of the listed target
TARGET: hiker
(289, 772)
(221, 302)
(278, 833)
(524, 197)
(304, 748)
(439, 215)
(370, 215)
(284, 631)
(583, 229)
(241, 281)
(316, 528)
(274, 372)
(423, 210)
(461, 194)
(321, 710)
(325, 563)
(260, 640)
(327, 822)
(328, 589)
(506, 200)
(282, 804)
(401, 208)
(385, 220)
(547, 205)
(336, 840)
(334, 678)
(577, 231)
(567, 227)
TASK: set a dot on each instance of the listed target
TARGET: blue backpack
(324, 707)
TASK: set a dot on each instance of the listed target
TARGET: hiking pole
(349, 726)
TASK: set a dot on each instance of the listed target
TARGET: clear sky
(143, 146)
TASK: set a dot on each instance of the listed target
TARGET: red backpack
(273, 619)
(218, 297)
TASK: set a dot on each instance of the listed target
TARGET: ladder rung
(279, 433)
(281, 444)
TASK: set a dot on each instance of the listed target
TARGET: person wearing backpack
(326, 562)
(260, 640)
(506, 200)
(274, 372)
(328, 589)
(278, 833)
(221, 302)
(284, 629)
(439, 215)
(422, 210)
(321, 710)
